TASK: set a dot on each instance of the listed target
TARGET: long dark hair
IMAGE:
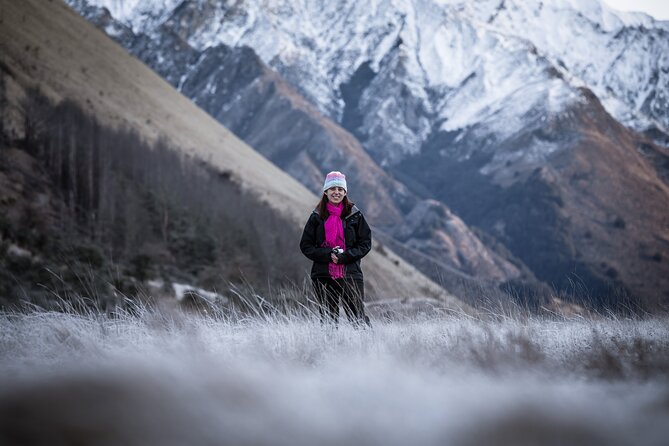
(323, 210)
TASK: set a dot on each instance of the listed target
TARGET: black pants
(351, 293)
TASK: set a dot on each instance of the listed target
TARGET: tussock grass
(149, 376)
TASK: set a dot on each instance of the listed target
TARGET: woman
(335, 238)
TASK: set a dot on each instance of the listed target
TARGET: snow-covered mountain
(622, 57)
(457, 60)
(492, 107)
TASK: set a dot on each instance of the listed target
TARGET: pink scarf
(334, 236)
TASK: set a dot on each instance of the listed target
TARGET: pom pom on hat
(334, 179)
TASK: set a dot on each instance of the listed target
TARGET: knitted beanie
(334, 179)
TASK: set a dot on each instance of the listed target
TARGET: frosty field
(184, 379)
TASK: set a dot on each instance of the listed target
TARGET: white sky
(659, 9)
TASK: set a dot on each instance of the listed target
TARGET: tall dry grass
(278, 377)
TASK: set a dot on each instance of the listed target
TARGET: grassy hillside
(45, 45)
(95, 211)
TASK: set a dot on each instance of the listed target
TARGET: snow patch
(181, 290)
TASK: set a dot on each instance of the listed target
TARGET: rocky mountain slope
(515, 128)
(46, 45)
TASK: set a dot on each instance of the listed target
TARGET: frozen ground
(175, 379)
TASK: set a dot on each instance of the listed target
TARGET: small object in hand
(337, 251)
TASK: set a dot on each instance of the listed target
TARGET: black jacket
(358, 238)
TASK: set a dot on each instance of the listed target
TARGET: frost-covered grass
(174, 378)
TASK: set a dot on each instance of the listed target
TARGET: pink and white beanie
(334, 179)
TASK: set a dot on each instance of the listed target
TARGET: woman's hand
(333, 256)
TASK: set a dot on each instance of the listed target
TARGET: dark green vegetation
(87, 210)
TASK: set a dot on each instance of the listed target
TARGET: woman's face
(335, 194)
